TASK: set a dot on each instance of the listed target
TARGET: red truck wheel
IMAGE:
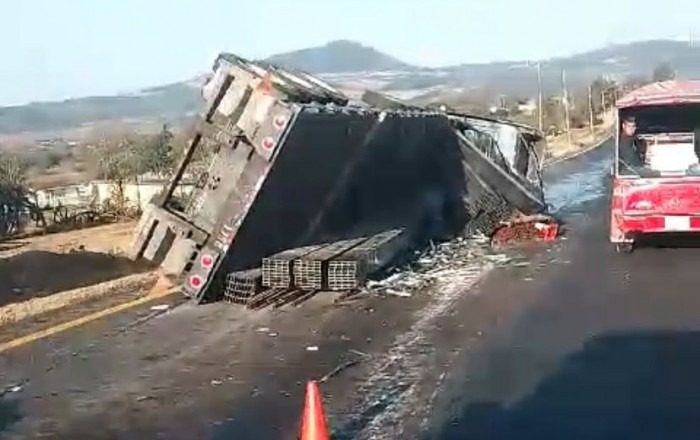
(624, 248)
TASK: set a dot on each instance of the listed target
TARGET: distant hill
(355, 68)
(338, 56)
(519, 78)
(169, 102)
(616, 61)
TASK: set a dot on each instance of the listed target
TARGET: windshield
(659, 141)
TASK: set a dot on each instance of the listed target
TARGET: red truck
(656, 179)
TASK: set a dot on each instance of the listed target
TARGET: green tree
(118, 162)
(156, 153)
(663, 72)
(634, 82)
(125, 159)
(53, 159)
(14, 194)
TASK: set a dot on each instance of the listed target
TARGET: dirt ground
(110, 239)
(44, 265)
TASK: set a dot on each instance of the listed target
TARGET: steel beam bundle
(310, 270)
(349, 270)
(277, 269)
(241, 287)
(346, 272)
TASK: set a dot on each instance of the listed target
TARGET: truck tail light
(206, 261)
(195, 281)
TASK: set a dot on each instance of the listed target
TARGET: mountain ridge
(354, 67)
(338, 56)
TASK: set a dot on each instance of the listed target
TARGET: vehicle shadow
(626, 386)
(9, 414)
(668, 240)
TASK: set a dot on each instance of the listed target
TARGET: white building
(97, 192)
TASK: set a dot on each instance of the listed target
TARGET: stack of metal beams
(349, 270)
(277, 269)
(241, 287)
(295, 275)
(310, 270)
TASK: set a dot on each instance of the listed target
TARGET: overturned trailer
(292, 165)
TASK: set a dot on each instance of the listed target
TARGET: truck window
(659, 140)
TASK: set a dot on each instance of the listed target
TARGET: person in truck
(632, 149)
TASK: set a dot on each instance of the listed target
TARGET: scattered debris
(215, 382)
(160, 307)
(263, 329)
(398, 293)
(437, 262)
(337, 370)
(360, 353)
(139, 321)
(498, 259)
(144, 398)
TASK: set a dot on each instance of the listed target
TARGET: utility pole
(691, 41)
(602, 100)
(539, 96)
(590, 109)
(565, 103)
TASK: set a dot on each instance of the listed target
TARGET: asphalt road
(604, 346)
(578, 342)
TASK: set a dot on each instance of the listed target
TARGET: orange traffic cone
(313, 422)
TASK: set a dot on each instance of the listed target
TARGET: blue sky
(55, 49)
